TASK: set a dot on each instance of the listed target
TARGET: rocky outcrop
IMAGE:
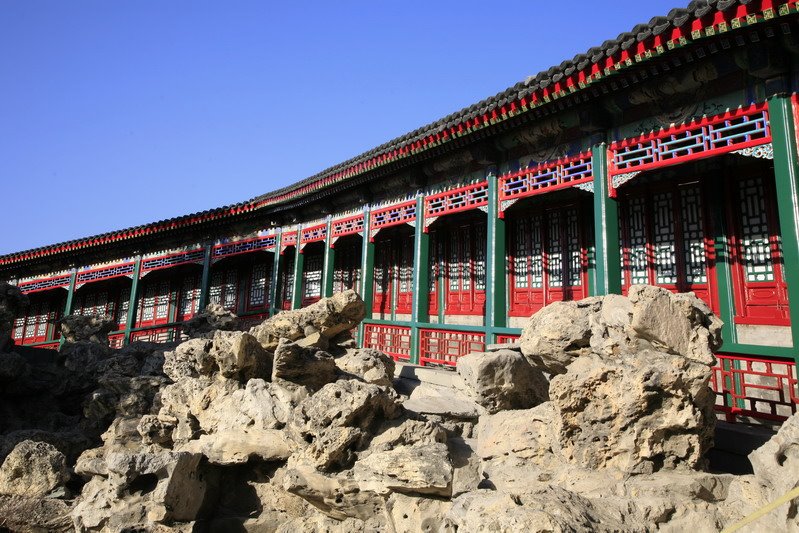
(88, 328)
(33, 469)
(372, 366)
(502, 379)
(328, 317)
(640, 414)
(212, 319)
(258, 432)
(331, 425)
(12, 305)
(650, 318)
(310, 367)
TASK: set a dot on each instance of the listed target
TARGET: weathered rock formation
(599, 421)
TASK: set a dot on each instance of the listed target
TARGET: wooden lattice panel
(124, 269)
(545, 177)
(755, 387)
(393, 215)
(44, 284)
(392, 340)
(175, 259)
(457, 200)
(241, 247)
(711, 136)
(348, 226)
(444, 347)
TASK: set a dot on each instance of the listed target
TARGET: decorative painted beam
(542, 178)
(734, 131)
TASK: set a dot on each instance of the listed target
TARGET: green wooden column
(205, 280)
(73, 277)
(420, 310)
(786, 177)
(606, 227)
(133, 300)
(275, 273)
(716, 203)
(329, 263)
(496, 254)
(367, 271)
(299, 265)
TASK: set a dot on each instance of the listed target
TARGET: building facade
(666, 156)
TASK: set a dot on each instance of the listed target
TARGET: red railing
(116, 340)
(755, 387)
(444, 347)
(159, 334)
(392, 340)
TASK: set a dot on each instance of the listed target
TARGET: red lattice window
(442, 347)
(393, 275)
(507, 339)
(463, 267)
(666, 240)
(548, 259)
(761, 294)
(104, 300)
(392, 340)
(755, 387)
(259, 279)
(224, 288)
(312, 278)
(38, 325)
(286, 286)
(347, 266)
(189, 298)
(156, 303)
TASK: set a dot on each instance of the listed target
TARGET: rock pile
(598, 420)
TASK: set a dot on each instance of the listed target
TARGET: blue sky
(119, 113)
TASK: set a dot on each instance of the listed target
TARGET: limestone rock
(212, 319)
(776, 472)
(91, 328)
(544, 510)
(675, 323)
(502, 379)
(310, 367)
(412, 514)
(141, 488)
(558, 333)
(419, 469)
(429, 399)
(339, 419)
(373, 366)
(229, 447)
(33, 469)
(12, 305)
(406, 432)
(338, 496)
(329, 317)
(24, 514)
(233, 354)
(639, 413)
(516, 447)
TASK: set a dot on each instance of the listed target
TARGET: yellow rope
(762, 511)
